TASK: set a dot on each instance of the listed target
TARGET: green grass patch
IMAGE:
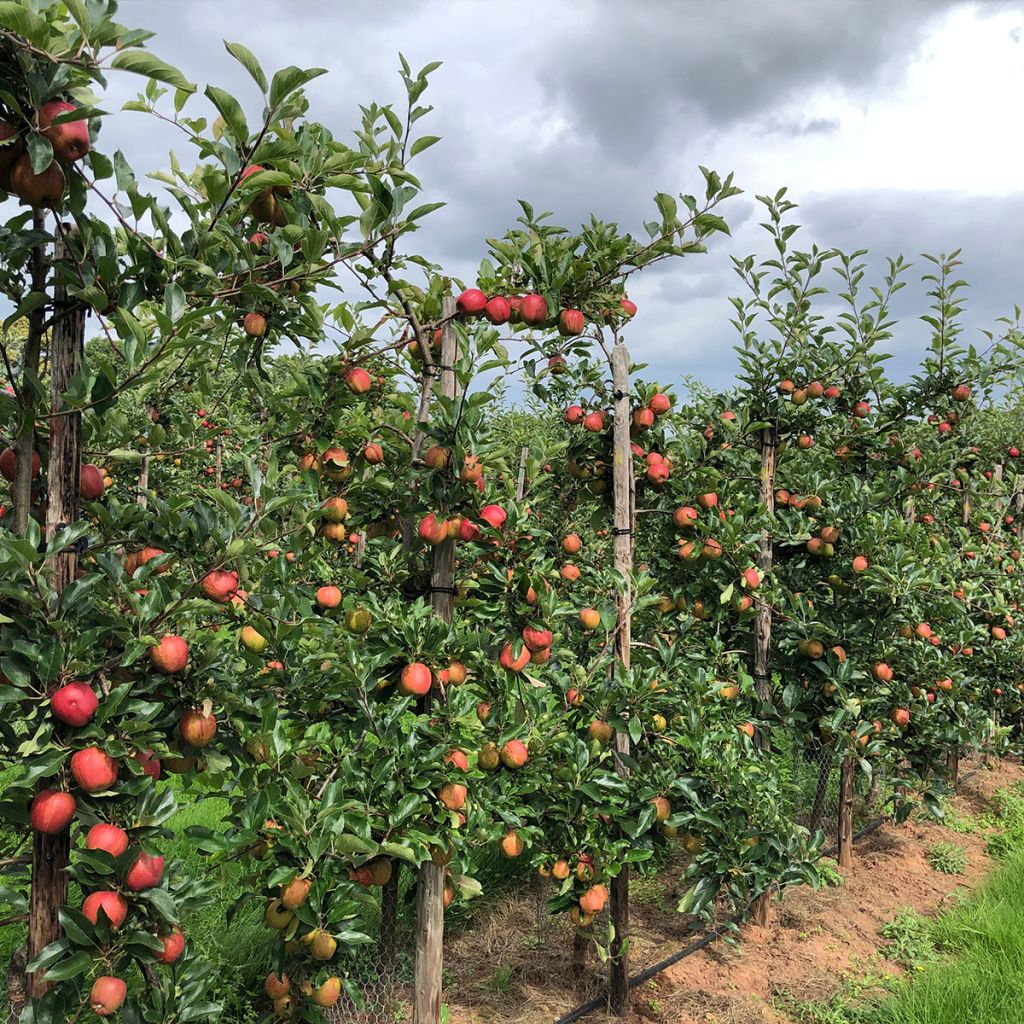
(947, 858)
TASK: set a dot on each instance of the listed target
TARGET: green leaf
(422, 143)
(40, 151)
(140, 62)
(77, 963)
(248, 60)
(230, 109)
(287, 80)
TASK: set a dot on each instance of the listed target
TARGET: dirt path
(506, 969)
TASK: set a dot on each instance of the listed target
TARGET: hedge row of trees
(394, 624)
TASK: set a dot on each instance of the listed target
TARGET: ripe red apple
(510, 662)
(150, 764)
(658, 472)
(468, 530)
(112, 904)
(70, 140)
(514, 754)
(533, 310)
(471, 301)
(751, 578)
(453, 795)
(536, 639)
(93, 769)
(109, 838)
(571, 323)
(145, 873)
(174, 946)
(106, 995)
(961, 393)
(358, 381)
(219, 584)
(860, 564)
(335, 509)
(91, 482)
(861, 409)
(254, 325)
(52, 811)
(43, 189)
(573, 414)
(882, 672)
(628, 306)
(275, 986)
(197, 728)
(457, 758)
(328, 597)
(9, 461)
(805, 441)
(643, 419)
(659, 404)
(684, 516)
(708, 500)
(74, 704)
(433, 530)
(170, 656)
(497, 310)
(595, 421)
(495, 515)
(900, 717)
(416, 680)
(373, 453)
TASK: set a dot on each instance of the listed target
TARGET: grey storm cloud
(585, 106)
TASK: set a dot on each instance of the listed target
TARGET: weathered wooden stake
(218, 461)
(521, 479)
(623, 486)
(21, 491)
(430, 884)
(50, 853)
(846, 778)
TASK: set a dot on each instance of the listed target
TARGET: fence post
(846, 777)
(623, 484)
(50, 853)
(430, 884)
(763, 622)
(142, 487)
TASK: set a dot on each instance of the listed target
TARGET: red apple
(358, 381)
(70, 140)
(471, 301)
(497, 310)
(111, 903)
(91, 482)
(533, 310)
(170, 656)
(495, 515)
(197, 728)
(52, 811)
(93, 769)
(416, 680)
(174, 946)
(109, 838)
(219, 584)
(571, 322)
(145, 873)
(106, 995)
(74, 704)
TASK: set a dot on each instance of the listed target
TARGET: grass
(980, 979)
(947, 858)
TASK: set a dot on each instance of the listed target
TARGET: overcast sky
(895, 125)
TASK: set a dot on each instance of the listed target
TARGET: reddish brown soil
(507, 968)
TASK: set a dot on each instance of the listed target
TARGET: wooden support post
(953, 767)
(21, 490)
(846, 778)
(763, 622)
(623, 487)
(218, 461)
(50, 853)
(521, 479)
(430, 884)
(142, 490)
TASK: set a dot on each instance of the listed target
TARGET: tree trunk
(623, 485)
(763, 622)
(430, 887)
(50, 853)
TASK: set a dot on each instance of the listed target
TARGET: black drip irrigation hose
(695, 947)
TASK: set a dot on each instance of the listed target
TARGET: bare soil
(515, 966)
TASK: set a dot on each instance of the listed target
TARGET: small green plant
(909, 940)
(947, 858)
(500, 980)
(829, 874)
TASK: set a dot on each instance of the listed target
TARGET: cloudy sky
(895, 126)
